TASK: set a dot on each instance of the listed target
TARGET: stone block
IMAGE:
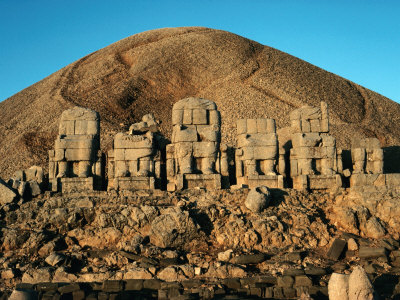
(76, 143)
(187, 117)
(127, 141)
(241, 126)
(262, 126)
(315, 126)
(209, 133)
(310, 113)
(177, 116)
(370, 252)
(368, 180)
(66, 128)
(204, 149)
(302, 280)
(258, 139)
(215, 117)
(111, 286)
(134, 285)
(264, 153)
(183, 149)
(59, 154)
(135, 154)
(300, 182)
(79, 113)
(305, 126)
(251, 126)
(79, 154)
(285, 281)
(184, 134)
(295, 126)
(69, 288)
(328, 140)
(192, 181)
(272, 181)
(324, 182)
(336, 249)
(247, 259)
(75, 184)
(152, 284)
(134, 183)
(200, 117)
(305, 140)
(192, 103)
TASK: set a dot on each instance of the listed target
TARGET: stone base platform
(72, 185)
(379, 180)
(271, 181)
(191, 181)
(132, 183)
(317, 182)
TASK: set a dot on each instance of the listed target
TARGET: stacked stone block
(367, 156)
(195, 157)
(313, 157)
(75, 162)
(257, 154)
(134, 163)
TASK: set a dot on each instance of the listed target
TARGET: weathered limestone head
(195, 111)
(310, 119)
(79, 121)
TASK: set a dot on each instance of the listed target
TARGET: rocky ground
(199, 234)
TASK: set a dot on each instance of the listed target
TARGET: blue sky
(356, 39)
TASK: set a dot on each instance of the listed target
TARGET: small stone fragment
(352, 244)
(225, 256)
(54, 259)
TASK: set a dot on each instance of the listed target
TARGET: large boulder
(7, 195)
(173, 228)
(258, 199)
(360, 288)
(338, 287)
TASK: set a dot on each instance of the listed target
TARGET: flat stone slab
(370, 252)
(248, 259)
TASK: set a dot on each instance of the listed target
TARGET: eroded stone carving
(314, 160)
(367, 156)
(257, 153)
(195, 157)
(75, 162)
(134, 163)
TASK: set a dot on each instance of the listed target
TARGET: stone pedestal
(192, 181)
(317, 182)
(76, 158)
(196, 157)
(72, 185)
(135, 161)
(253, 181)
(134, 183)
